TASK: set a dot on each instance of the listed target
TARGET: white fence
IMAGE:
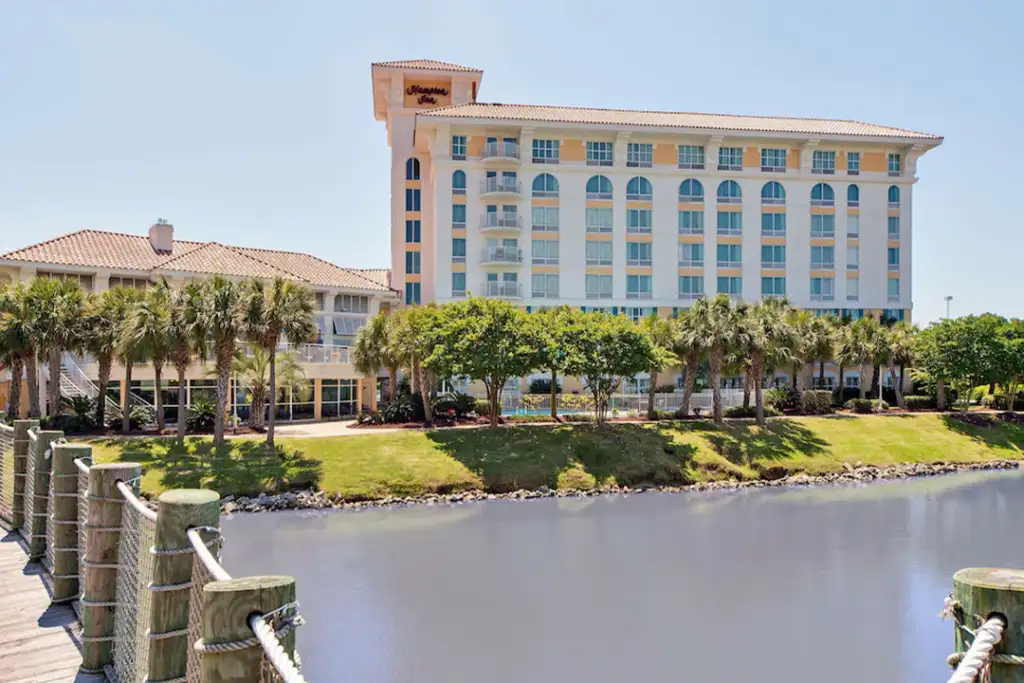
(625, 404)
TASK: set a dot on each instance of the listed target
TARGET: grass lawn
(412, 462)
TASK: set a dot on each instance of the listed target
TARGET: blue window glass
(639, 188)
(853, 195)
(458, 283)
(773, 193)
(412, 293)
(412, 169)
(894, 196)
(412, 232)
(729, 192)
(690, 190)
(459, 215)
(599, 187)
(459, 182)
(412, 199)
(545, 185)
(822, 194)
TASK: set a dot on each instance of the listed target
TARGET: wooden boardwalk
(38, 641)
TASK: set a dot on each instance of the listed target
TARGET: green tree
(417, 330)
(252, 368)
(770, 342)
(690, 349)
(553, 329)
(901, 354)
(844, 355)
(662, 334)
(865, 340)
(180, 342)
(106, 313)
(16, 345)
(59, 308)
(215, 316)
(820, 343)
(802, 323)
(375, 348)
(143, 337)
(283, 309)
(962, 352)
(1010, 361)
(717, 324)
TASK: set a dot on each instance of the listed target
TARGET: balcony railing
(507, 290)
(501, 150)
(500, 185)
(309, 353)
(638, 262)
(638, 295)
(773, 265)
(505, 220)
(501, 255)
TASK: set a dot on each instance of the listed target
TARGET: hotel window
(458, 147)
(598, 219)
(773, 256)
(894, 197)
(412, 293)
(729, 256)
(773, 160)
(84, 280)
(599, 253)
(638, 287)
(691, 286)
(638, 253)
(545, 151)
(458, 250)
(639, 154)
(853, 258)
(823, 162)
(773, 286)
(638, 220)
(853, 163)
(894, 289)
(773, 224)
(822, 194)
(894, 164)
(128, 283)
(691, 255)
(545, 286)
(412, 199)
(412, 169)
(773, 193)
(733, 286)
(545, 185)
(823, 258)
(851, 381)
(730, 158)
(545, 218)
(351, 303)
(639, 189)
(853, 196)
(894, 258)
(823, 225)
(599, 286)
(730, 223)
(599, 187)
(459, 182)
(852, 288)
(318, 301)
(852, 225)
(691, 222)
(691, 190)
(600, 153)
(691, 156)
(545, 252)
(894, 227)
(636, 314)
(458, 215)
(458, 284)
(729, 192)
(823, 289)
(893, 314)
(412, 232)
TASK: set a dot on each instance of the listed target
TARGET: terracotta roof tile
(381, 276)
(658, 119)
(94, 248)
(214, 258)
(313, 269)
(427, 65)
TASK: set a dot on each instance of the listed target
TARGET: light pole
(948, 299)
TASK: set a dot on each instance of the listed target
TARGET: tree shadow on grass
(529, 457)
(999, 434)
(742, 442)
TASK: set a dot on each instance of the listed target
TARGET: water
(839, 584)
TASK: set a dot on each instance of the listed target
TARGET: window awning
(349, 324)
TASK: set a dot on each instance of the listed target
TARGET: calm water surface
(837, 584)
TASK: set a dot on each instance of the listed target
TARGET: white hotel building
(638, 211)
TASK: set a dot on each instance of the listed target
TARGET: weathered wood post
(43, 460)
(64, 518)
(982, 592)
(227, 606)
(178, 511)
(21, 428)
(99, 561)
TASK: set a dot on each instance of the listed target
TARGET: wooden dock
(39, 642)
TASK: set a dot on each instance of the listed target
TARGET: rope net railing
(206, 567)
(29, 499)
(82, 469)
(7, 473)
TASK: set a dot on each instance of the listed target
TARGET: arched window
(639, 188)
(823, 195)
(412, 169)
(853, 196)
(599, 187)
(459, 182)
(691, 190)
(729, 192)
(773, 193)
(545, 185)
(894, 196)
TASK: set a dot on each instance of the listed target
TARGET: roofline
(467, 71)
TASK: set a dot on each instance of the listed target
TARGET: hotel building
(639, 211)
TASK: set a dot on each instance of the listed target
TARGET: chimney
(161, 236)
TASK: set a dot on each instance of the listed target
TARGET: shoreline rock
(851, 474)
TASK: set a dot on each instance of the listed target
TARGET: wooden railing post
(178, 511)
(36, 527)
(99, 561)
(64, 518)
(21, 428)
(227, 606)
(981, 593)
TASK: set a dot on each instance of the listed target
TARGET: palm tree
(662, 334)
(375, 348)
(690, 350)
(179, 342)
(717, 322)
(901, 348)
(18, 333)
(414, 327)
(820, 344)
(285, 309)
(865, 336)
(770, 341)
(844, 354)
(104, 318)
(802, 322)
(252, 368)
(142, 337)
(215, 318)
(59, 308)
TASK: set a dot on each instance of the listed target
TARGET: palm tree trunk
(223, 376)
(32, 377)
(899, 387)
(181, 404)
(14, 400)
(101, 395)
(716, 387)
(758, 372)
(796, 373)
(393, 383)
(688, 381)
(940, 395)
(839, 383)
(158, 399)
(746, 389)
(272, 417)
(863, 387)
(554, 394)
(53, 385)
(821, 374)
(419, 377)
(126, 404)
(652, 413)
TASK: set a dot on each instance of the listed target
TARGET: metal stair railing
(73, 382)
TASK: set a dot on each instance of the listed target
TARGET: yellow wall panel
(665, 153)
(793, 159)
(634, 204)
(853, 211)
(773, 208)
(730, 208)
(751, 157)
(822, 242)
(545, 201)
(773, 240)
(823, 273)
(636, 237)
(690, 206)
(773, 272)
(599, 236)
(873, 162)
(544, 269)
(600, 203)
(729, 272)
(730, 239)
(691, 239)
(475, 145)
(823, 210)
(458, 267)
(840, 161)
(639, 270)
(691, 271)
(572, 150)
(599, 270)
(458, 199)
(413, 278)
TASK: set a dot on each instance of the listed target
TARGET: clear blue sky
(251, 122)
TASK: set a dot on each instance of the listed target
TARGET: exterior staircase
(74, 383)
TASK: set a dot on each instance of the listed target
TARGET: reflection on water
(835, 584)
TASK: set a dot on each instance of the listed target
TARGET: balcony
(500, 186)
(505, 290)
(773, 265)
(505, 150)
(309, 353)
(638, 295)
(638, 262)
(501, 256)
(500, 220)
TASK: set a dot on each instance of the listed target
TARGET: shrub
(371, 417)
(455, 402)
(777, 399)
(201, 416)
(865, 406)
(482, 408)
(527, 418)
(407, 408)
(816, 401)
(919, 402)
(999, 401)
(577, 417)
(750, 411)
(543, 386)
(665, 389)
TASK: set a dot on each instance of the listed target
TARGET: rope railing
(7, 473)
(29, 499)
(134, 584)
